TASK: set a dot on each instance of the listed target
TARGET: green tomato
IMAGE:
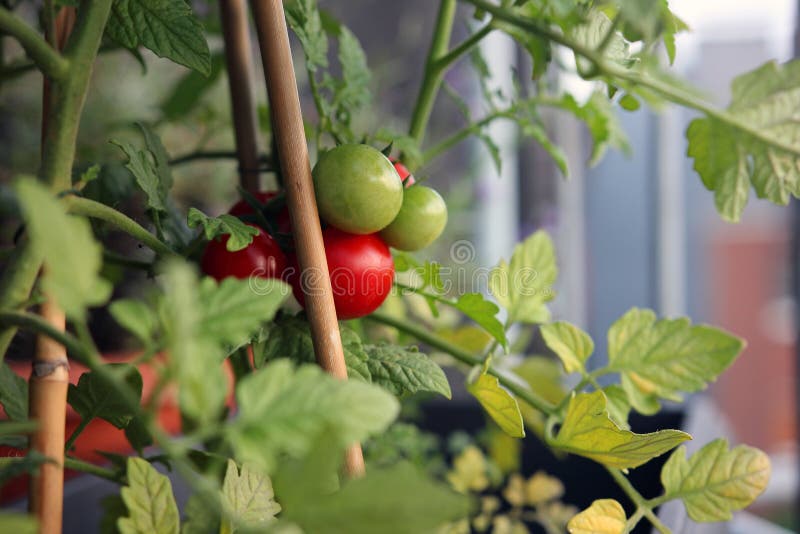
(421, 220)
(358, 189)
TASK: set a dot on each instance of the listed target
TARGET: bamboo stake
(49, 380)
(290, 138)
(237, 57)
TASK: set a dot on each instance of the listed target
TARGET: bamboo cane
(290, 138)
(50, 370)
(239, 63)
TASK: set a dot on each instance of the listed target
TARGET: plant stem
(434, 73)
(458, 51)
(34, 323)
(50, 62)
(458, 353)
(212, 154)
(118, 259)
(16, 286)
(96, 210)
(86, 467)
(77, 432)
(637, 499)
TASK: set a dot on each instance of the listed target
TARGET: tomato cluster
(367, 203)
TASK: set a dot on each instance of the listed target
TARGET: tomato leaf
(604, 516)
(660, 359)
(149, 500)
(282, 410)
(602, 121)
(483, 312)
(524, 286)
(166, 27)
(353, 92)
(247, 498)
(571, 344)
(715, 481)
(143, 169)
(304, 20)
(13, 394)
(190, 89)
(241, 234)
(94, 396)
(160, 157)
(618, 405)
(588, 431)
(592, 34)
(499, 404)
(405, 370)
(136, 317)
(72, 257)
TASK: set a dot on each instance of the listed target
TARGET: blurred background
(637, 230)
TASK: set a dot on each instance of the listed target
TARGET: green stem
(443, 345)
(50, 62)
(451, 141)
(212, 154)
(637, 499)
(458, 51)
(34, 323)
(96, 210)
(92, 469)
(434, 73)
(77, 432)
(118, 259)
(16, 286)
(634, 519)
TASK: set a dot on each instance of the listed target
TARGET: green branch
(641, 503)
(463, 356)
(50, 62)
(34, 323)
(96, 210)
(92, 469)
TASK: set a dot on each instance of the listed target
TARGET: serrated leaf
(539, 49)
(354, 91)
(524, 286)
(18, 523)
(72, 257)
(571, 344)
(136, 317)
(166, 27)
(13, 393)
(304, 19)
(751, 147)
(160, 158)
(283, 409)
(618, 405)
(149, 500)
(240, 234)
(405, 370)
(247, 498)
(290, 337)
(92, 173)
(483, 312)
(602, 122)
(604, 516)
(147, 178)
(716, 481)
(499, 404)
(661, 359)
(591, 34)
(588, 431)
(533, 128)
(94, 396)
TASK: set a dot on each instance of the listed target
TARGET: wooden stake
(239, 64)
(290, 138)
(47, 403)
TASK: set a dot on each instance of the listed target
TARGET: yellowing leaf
(715, 480)
(469, 471)
(247, 498)
(588, 431)
(570, 343)
(499, 404)
(541, 488)
(604, 516)
(149, 501)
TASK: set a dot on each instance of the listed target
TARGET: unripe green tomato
(421, 220)
(358, 189)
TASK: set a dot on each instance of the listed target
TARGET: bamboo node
(48, 367)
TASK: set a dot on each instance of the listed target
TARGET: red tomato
(361, 270)
(283, 222)
(405, 176)
(263, 258)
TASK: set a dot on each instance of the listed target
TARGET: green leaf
(483, 312)
(400, 497)
(405, 370)
(148, 498)
(618, 405)
(524, 286)
(354, 91)
(160, 158)
(91, 173)
(188, 90)
(72, 257)
(539, 49)
(136, 317)
(602, 122)
(533, 127)
(588, 431)
(95, 396)
(304, 19)
(660, 359)
(18, 523)
(166, 27)
(591, 34)
(604, 516)
(241, 234)
(499, 404)
(13, 393)
(716, 481)
(247, 498)
(570, 343)
(282, 410)
(143, 168)
(748, 147)
(290, 337)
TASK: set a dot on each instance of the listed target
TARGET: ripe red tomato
(361, 270)
(284, 224)
(263, 258)
(405, 176)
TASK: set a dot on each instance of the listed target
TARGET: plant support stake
(284, 100)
